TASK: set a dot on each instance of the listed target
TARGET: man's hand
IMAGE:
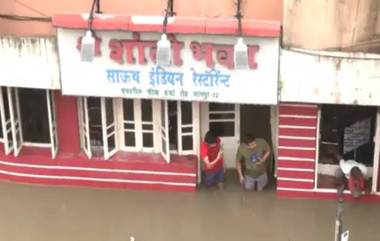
(213, 162)
(241, 180)
(260, 161)
(208, 164)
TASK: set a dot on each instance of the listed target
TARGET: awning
(176, 25)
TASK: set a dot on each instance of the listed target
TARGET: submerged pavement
(44, 213)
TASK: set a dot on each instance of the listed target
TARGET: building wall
(37, 57)
(329, 77)
(297, 148)
(252, 9)
(67, 123)
(325, 24)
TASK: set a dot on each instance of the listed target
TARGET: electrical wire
(31, 8)
(239, 16)
(168, 12)
(22, 18)
(91, 17)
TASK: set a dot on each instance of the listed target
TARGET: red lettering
(129, 45)
(225, 55)
(200, 51)
(176, 50)
(140, 48)
(203, 52)
(116, 50)
(252, 50)
(153, 53)
(152, 50)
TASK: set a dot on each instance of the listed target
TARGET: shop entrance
(223, 119)
(27, 119)
(233, 122)
(349, 131)
(260, 121)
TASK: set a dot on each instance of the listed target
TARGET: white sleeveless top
(346, 167)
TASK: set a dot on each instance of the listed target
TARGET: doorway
(224, 120)
(232, 122)
(350, 132)
(256, 120)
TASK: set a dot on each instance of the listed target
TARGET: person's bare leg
(262, 182)
(221, 186)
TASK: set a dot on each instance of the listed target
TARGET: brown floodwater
(42, 213)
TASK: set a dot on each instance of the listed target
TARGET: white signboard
(356, 135)
(329, 77)
(202, 68)
(29, 62)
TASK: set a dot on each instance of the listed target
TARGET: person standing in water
(253, 154)
(212, 157)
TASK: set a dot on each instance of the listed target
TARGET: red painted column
(378, 180)
(296, 147)
(67, 123)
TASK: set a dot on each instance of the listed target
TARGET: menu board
(356, 135)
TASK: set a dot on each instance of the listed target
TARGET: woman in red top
(211, 154)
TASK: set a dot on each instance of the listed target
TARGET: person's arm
(220, 153)
(206, 161)
(239, 166)
(266, 154)
(204, 156)
(265, 157)
(240, 171)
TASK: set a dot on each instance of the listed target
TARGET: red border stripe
(96, 184)
(295, 174)
(297, 132)
(297, 143)
(295, 110)
(184, 25)
(296, 153)
(295, 184)
(99, 174)
(297, 121)
(295, 164)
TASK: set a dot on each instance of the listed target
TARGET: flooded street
(41, 213)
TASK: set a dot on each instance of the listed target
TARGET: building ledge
(125, 170)
(176, 25)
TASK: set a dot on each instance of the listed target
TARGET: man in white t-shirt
(353, 173)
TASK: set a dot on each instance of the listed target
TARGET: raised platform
(123, 170)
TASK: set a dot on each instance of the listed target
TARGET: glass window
(109, 111)
(129, 139)
(34, 115)
(187, 113)
(221, 107)
(128, 110)
(148, 140)
(146, 110)
(187, 143)
(95, 121)
(225, 128)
